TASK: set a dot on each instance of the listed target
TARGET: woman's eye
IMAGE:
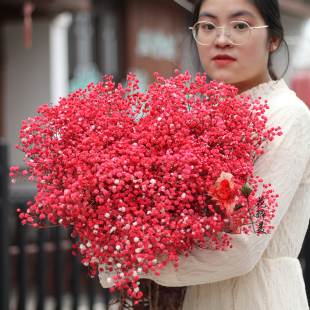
(241, 26)
(207, 27)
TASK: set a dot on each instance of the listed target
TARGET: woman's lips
(223, 59)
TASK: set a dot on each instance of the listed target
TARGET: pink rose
(225, 191)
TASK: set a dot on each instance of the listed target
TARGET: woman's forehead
(218, 9)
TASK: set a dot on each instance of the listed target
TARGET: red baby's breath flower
(139, 176)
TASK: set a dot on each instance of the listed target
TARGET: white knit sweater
(259, 272)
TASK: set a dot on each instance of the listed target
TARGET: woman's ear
(274, 43)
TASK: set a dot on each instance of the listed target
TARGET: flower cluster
(144, 177)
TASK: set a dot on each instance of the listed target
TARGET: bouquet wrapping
(144, 177)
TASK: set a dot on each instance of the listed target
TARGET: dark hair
(270, 12)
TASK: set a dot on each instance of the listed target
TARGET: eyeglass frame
(227, 34)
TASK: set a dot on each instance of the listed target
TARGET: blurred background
(49, 48)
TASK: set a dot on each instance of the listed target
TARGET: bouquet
(144, 177)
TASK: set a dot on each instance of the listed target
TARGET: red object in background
(27, 11)
(300, 84)
(237, 226)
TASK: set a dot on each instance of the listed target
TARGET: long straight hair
(270, 11)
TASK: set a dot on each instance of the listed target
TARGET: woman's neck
(246, 85)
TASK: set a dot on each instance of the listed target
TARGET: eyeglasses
(237, 32)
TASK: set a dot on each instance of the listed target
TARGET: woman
(259, 272)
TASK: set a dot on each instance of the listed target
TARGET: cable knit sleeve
(283, 165)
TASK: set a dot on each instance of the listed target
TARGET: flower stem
(150, 295)
(157, 296)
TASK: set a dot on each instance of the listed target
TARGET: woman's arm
(282, 165)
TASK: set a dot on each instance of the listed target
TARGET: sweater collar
(266, 90)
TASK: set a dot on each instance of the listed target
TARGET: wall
(26, 80)
(156, 32)
(293, 28)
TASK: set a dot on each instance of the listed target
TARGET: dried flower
(141, 190)
(225, 191)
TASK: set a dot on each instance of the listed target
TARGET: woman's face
(249, 65)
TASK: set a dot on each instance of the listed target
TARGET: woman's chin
(222, 79)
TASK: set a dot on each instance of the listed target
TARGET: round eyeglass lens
(204, 33)
(238, 32)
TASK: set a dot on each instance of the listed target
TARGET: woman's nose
(222, 38)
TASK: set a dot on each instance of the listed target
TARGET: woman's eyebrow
(239, 13)
(245, 12)
(206, 14)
